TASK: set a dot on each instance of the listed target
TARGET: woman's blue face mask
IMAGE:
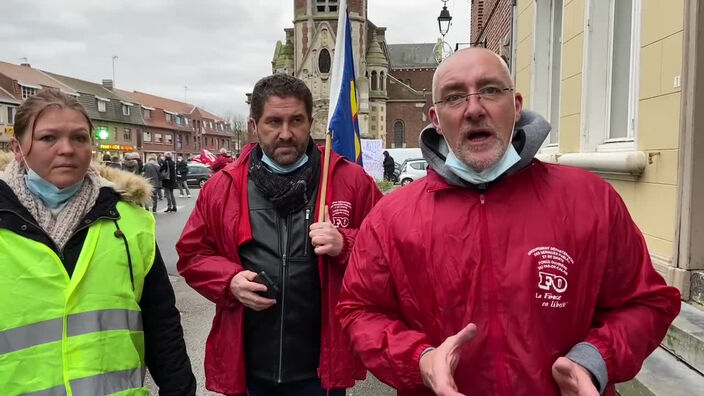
(52, 196)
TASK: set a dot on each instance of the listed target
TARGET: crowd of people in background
(164, 174)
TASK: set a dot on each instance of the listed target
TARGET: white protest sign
(373, 158)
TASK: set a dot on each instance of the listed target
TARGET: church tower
(309, 48)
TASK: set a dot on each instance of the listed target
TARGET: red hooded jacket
(541, 261)
(208, 259)
(221, 161)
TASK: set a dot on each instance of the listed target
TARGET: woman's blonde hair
(35, 105)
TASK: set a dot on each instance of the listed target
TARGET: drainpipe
(514, 37)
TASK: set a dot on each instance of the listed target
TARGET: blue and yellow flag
(342, 113)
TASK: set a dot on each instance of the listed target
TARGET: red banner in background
(205, 157)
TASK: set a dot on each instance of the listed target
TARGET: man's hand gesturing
(437, 367)
(573, 379)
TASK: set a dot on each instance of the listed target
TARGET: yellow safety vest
(81, 335)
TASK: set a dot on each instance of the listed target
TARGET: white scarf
(59, 225)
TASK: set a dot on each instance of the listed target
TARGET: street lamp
(445, 19)
(442, 49)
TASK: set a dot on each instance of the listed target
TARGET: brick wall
(491, 21)
(477, 18)
(356, 6)
(153, 145)
(10, 86)
(414, 119)
(187, 146)
(299, 7)
(420, 78)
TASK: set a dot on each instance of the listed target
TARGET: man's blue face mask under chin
(466, 173)
(490, 174)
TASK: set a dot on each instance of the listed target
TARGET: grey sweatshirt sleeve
(589, 357)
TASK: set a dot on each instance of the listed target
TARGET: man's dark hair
(283, 86)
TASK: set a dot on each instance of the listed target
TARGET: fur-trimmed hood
(132, 188)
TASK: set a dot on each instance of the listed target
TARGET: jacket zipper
(79, 229)
(283, 298)
(494, 323)
(308, 242)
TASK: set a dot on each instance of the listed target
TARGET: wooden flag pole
(324, 181)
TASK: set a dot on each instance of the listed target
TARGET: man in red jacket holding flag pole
(252, 246)
(343, 124)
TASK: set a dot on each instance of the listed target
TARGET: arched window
(398, 134)
(375, 82)
(324, 61)
(382, 83)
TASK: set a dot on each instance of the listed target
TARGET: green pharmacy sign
(102, 133)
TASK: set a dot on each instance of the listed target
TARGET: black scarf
(289, 192)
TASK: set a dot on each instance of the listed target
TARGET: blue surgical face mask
(468, 174)
(52, 196)
(282, 170)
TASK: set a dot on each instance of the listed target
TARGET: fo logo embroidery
(551, 261)
(552, 282)
(340, 213)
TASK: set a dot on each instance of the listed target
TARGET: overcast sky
(217, 48)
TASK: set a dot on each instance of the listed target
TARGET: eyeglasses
(487, 94)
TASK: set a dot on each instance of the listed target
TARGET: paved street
(197, 312)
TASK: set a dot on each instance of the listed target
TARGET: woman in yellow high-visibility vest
(85, 301)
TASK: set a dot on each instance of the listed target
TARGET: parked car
(198, 174)
(400, 155)
(412, 170)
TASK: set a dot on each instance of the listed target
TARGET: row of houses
(621, 83)
(124, 121)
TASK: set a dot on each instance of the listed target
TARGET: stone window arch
(375, 81)
(399, 137)
(382, 82)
